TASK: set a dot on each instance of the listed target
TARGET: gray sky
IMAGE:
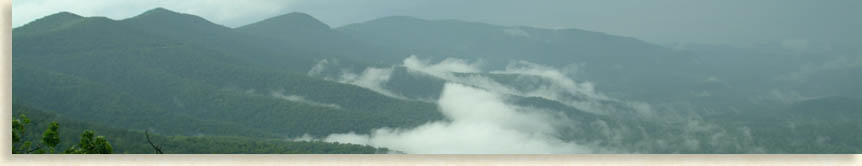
(738, 22)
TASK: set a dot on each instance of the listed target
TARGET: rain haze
(437, 77)
(732, 22)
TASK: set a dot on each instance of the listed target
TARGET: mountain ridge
(289, 19)
(164, 16)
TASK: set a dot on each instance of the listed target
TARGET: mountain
(50, 23)
(197, 31)
(291, 25)
(613, 62)
(63, 32)
(300, 30)
(171, 23)
(145, 75)
(451, 38)
(201, 87)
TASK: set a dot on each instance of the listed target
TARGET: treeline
(135, 142)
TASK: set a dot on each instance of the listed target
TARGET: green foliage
(51, 137)
(18, 134)
(134, 142)
(206, 88)
(21, 143)
(91, 145)
(145, 74)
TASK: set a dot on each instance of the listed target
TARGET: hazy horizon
(212, 77)
(661, 22)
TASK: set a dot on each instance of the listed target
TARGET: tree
(18, 134)
(51, 137)
(91, 144)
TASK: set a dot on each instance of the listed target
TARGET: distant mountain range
(180, 75)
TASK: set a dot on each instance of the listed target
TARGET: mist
(300, 99)
(451, 77)
(736, 22)
(549, 83)
(480, 117)
(478, 122)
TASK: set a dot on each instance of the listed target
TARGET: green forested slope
(150, 77)
(134, 141)
(200, 87)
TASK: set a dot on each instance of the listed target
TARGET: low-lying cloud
(300, 99)
(444, 69)
(478, 122)
(540, 80)
(371, 78)
(531, 80)
(482, 117)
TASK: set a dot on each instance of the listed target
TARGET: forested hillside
(293, 84)
(135, 141)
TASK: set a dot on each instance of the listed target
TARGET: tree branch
(39, 146)
(156, 147)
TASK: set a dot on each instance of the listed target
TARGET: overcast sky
(737, 22)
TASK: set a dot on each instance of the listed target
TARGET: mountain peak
(165, 17)
(58, 18)
(162, 13)
(293, 20)
(159, 10)
(49, 23)
(66, 15)
(298, 15)
(288, 25)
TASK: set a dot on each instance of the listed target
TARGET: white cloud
(296, 98)
(479, 122)
(320, 67)
(372, 79)
(542, 81)
(444, 69)
(533, 80)
(559, 82)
